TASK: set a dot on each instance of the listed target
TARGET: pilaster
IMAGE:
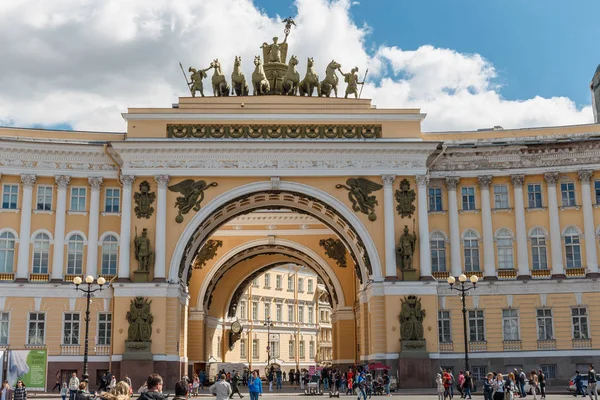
(28, 181)
(455, 258)
(58, 257)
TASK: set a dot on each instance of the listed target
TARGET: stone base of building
(416, 370)
(137, 351)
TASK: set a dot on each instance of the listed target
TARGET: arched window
(504, 243)
(438, 252)
(471, 251)
(573, 248)
(75, 255)
(539, 251)
(7, 252)
(41, 250)
(109, 255)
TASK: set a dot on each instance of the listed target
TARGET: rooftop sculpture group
(273, 76)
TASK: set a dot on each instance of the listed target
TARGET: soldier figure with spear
(351, 79)
(196, 76)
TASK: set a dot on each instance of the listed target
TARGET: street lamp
(462, 289)
(269, 325)
(89, 280)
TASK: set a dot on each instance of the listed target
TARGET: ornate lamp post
(462, 289)
(89, 280)
(269, 325)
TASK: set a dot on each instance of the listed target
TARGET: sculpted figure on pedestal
(406, 249)
(595, 87)
(143, 252)
(411, 319)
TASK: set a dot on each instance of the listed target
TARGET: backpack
(592, 376)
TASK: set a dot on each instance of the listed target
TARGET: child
(440, 386)
(64, 391)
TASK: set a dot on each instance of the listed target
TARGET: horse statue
(331, 79)
(310, 81)
(291, 78)
(219, 84)
(238, 80)
(260, 83)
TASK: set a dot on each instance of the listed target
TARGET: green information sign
(29, 366)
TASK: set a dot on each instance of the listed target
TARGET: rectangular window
(573, 251)
(255, 282)
(290, 313)
(112, 200)
(444, 327)
(476, 326)
(267, 281)
(311, 349)
(301, 314)
(267, 311)
(290, 283)
(301, 350)
(41, 253)
(278, 313)
(292, 349)
(255, 349)
(435, 199)
(500, 196)
(567, 191)
(539, 254)
(36, 333)
(471, 253)
(243, 310)
(310, 286)
(10, 196)
(534, 195)
(478, 372)
(274, 345)
(254, 310)
(510, 324)
(549, 371)
(505, 252)
(243, 353)
(4, 328)
(301, 284)
(438, 253)
(311, 314)
(468, 198)
(580, 323)
(104, 328)
(597, 191)
(78, 199)
(278, 282)
(44, 198)
(544, 324)
(71, 329)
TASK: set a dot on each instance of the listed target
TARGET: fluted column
(558, 268)
(591, 254)
(160, 265)
(58, 256)
(424, 244)
(92, 250)
(27, 181)
(125, 242)
(455, 259)
(390, 233)
(522, 248)
(489, 264)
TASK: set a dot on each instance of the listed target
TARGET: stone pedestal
(139, 351)
(410, 275)
(415, 367)
(140, 276)
(275, 73)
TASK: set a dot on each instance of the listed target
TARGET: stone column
(125, 242)
(160, 266)
(589, 232)
(390, 233)
(489, 264)
(92, 250)
(558, 268)
(522, 248)
(424, 244)
(27, 181)
(455, 258)
(58, 256)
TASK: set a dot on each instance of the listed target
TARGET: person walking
(467, 385)
(534, 384)
(542, 383)
(278, 376)
(460, 384)
(592, 383)
(488, 389)
(578, 381)
(509, 387)
(254, 386)
(447, 383)
(73, 386)
(221, 388)
(284, 377)
(270, 378)
(64, 391)
(57, 382)
(522, 378)
(440, 386)
(20, 392)
(386, 383)
(235, 380)
(360, 385)
(113, 383)
(5, 391)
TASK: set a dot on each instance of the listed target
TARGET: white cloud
(85, 62)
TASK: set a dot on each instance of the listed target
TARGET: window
(444, 327)
(572, 248)
(71, 329)
(254, 310)
(301, 314)
(274, 345)
(267, 311)
(438, 252)
(110, 246)
(539, 252)
(301, 284)
(301, 350)
(78, 199)
(267, 281)
(41, 249)
(478, 372)
(243, 311)
(435, 199)
(292, 349)
(290, 313)
(471, 250)
(75, 255)
(500, 196)
(278, 282)
(112, 200)
(10, 196)
(468, 198)
(580, 323)
(534, 195)
(476, 326)
(290, 283)
(549, 371)
(7, 252)
(544, 324)
(597, 191)
(37, 329)
(567, 191)
(311, 349)
(510, 324)
(311, 314)
(310, 286)
(44, 198)
(104, 328)
(4, 328)
(278, 313)
(243, 353)
(255, 349)
(504, 243)
(255, 282)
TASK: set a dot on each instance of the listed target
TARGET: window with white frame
(476, 326)
(500, 196)
(112, 200)
(301, 349)
(75, 255)
(290, 313)
(255, 310)
(274, 345)
(78, 195)
(504, 243)
(243, 351)
(510, 324)
(267, 281)
(438, 252)
(310, 286)
(255, 354)
(534, 195)
(7, 252)
(579, 317)
(444, 327)
(597, 191)
(278, 313)
(545, 324)
(471, 251)
(110, 255)
(539, 251)
(4, 328)
(10, 196)
(41, 250)
(44, 198)
(567, 190)
(243, 310)
(301, 284)
(468, 198)
(311, 314)
(278, 284)
(301, 314)
(267, 311)
(104, 328)
(311, 349)
(255, 282)
(292, 349)
(572, 248)
(435, 199)
(36, 332)
(290, 283)
(71, 329)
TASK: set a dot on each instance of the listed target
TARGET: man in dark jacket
(155, 385)
(235, 379)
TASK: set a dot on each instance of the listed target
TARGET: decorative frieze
(198, 131)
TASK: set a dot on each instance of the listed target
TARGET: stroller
(378, 388)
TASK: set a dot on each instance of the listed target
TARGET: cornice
(183, 116)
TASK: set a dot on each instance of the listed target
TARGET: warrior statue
(196, 77)
(143, 253)
(411, 319)
(595, 86)
(351, 78)
(406, 250)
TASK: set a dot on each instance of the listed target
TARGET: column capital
(585, 175)
(388, 180)
(62, 181)
(452, 182)
(127, 180)
(28, 180)
(95, 182)
(422, 180)
(162, 181)
(551, 178)
(517, 180)
(484, 181)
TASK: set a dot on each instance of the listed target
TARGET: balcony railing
(39, 277)
(70, 349)
(540, 274)
(70, 277)
(102, 350)
(440, 275)
(575, 272)
(512, 345)
(7, 277)
(478, 274)
(477, 346)
(446, 347)
(548, 344)
(582, 344)
(507, 274)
